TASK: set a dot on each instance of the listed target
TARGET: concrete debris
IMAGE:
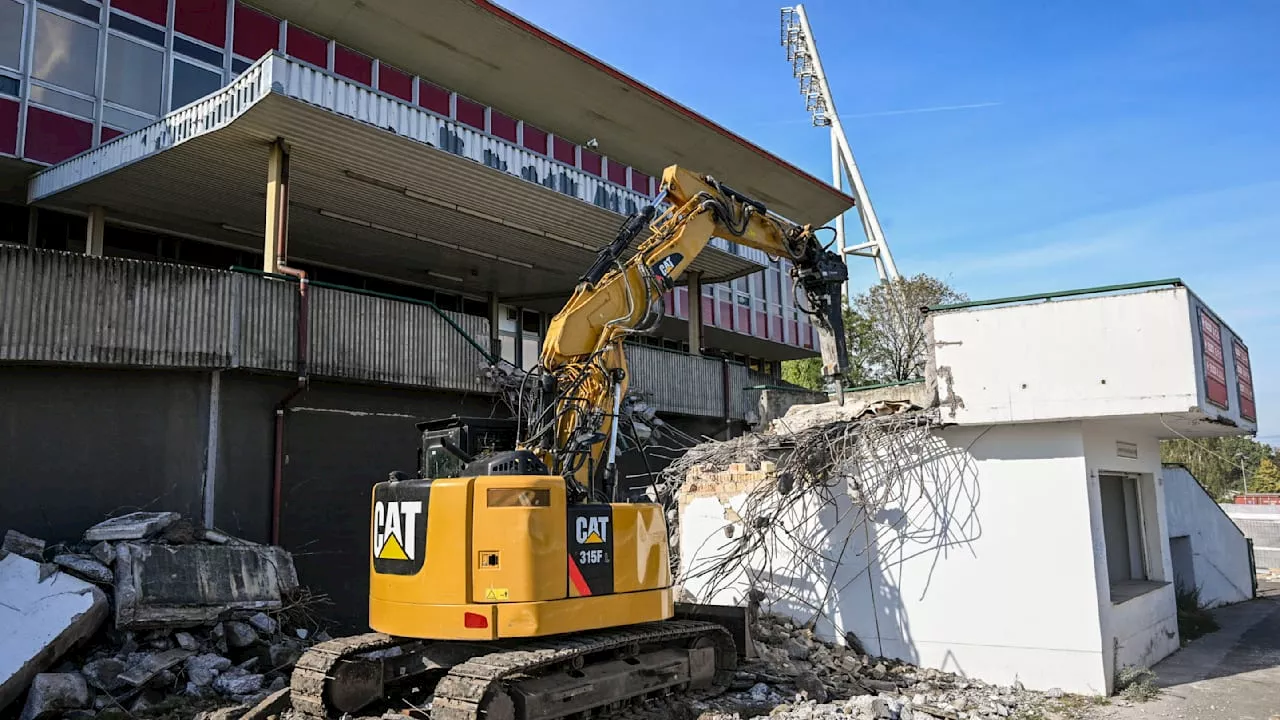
(151, 665)
(134, 526)
(272, 705)
(204, 669)
(263, 623)
(190, 585)
(239, 634)
(104, 552)
(40, 620)
(803, 417)
(52, 694)
(798, 677)
(186, 641)
(241, 683)
(24, 545)
(85, 567)
(104, 674)
(202, 620)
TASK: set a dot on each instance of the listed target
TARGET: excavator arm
(582, 356)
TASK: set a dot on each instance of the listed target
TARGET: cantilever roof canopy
(371, 190)
(480, 50)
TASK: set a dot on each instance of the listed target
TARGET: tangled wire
(845, 498)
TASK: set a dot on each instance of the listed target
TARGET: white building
(1025, 534)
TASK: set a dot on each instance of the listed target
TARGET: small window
(1122, 529)
(10, 86)
(11, 34)
(196, 51)
(479, 308)
(123, 119)
(192, 82)
(531, 322)
(66, 52)
(140, 30)
(62, 101)
(134, 75)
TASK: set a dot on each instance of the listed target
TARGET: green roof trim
(1176, 282)
(794, 388)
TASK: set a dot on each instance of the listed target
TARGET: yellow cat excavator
(516, 585)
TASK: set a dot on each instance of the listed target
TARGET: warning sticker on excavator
(497, 594)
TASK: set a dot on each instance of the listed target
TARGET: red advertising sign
(1244, 381)
(1215, 369)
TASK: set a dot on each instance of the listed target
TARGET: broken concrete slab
(188, 585)
(41, 620)
(85, 567)
(186, 641)
(239, 634)
(134, 526)
(264, 623)
(52, 694)
(154, 664)
(240, 683)
(24, 545)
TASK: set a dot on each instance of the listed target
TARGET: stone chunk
(274, 704)
(52, 694)
(134, 526)
(264, 623)
(40, 621)
(239, 634)
(186, 641)
(153, 664)
(810, 685)
(86, 567)
(105, 674)
(230, 684)
(24, 545)
(203, 669)
(189, 585)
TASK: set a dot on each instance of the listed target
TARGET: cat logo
(394, 528)
(666, 267)
(592, 530)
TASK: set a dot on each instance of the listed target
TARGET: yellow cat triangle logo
(594, 538)
(392, 550)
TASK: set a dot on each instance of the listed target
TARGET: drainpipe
(277, 260)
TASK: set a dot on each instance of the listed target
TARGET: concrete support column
(94, 229)
(276, 237)
(495, 322)
(695, 312)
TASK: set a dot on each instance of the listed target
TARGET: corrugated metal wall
(60, 307)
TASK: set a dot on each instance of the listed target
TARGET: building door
(1122, 528)
(1184, 571)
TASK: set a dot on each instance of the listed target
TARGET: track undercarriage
(582, 675)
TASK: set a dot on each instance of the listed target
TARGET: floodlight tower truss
(802, 54)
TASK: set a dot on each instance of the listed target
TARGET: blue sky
(1010, 147)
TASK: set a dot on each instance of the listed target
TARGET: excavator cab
(450, 444)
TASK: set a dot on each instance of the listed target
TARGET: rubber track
(461, 694)
(307, 685)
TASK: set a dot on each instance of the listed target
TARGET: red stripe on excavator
(579, 582)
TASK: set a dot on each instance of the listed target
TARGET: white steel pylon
(802, 53)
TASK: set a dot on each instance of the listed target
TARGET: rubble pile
(796, 676)
(181, 619)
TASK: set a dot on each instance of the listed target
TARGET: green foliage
(1194, 619)
(1266, 479)
(1220, 464)
(891, 340)
(1136, 684)
(806, 372)
(884, 331)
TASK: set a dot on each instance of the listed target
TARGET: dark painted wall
(80, 444)
(339, 441)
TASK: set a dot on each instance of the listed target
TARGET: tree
(884, 332)
(895, 345)
(1266, 479)
(1219, 463)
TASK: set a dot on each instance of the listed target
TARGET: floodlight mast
(806, 66)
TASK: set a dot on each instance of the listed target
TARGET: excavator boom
(583, 351)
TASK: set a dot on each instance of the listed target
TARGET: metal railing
(59, 307)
